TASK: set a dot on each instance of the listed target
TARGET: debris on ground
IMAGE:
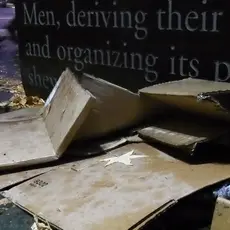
(131, 180)
(19, 99)
(9, 84)
(22, 101)
(39, 225)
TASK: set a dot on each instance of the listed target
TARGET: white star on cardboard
(124, 159)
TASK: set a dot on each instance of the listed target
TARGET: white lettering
(222, 71)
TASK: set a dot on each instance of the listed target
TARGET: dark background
(207, 47)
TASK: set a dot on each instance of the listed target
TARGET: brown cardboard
(116, 108)
(42, 136)
(185, 132)
(99, 146)
(117, 196)
(67, 108)
(199, 114)
(12, 178)
(221, 215)
(202, 97)
(21, 114)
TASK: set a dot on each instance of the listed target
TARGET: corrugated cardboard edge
(213, 97)
(190, 146)
(27, 163)
(116, 108)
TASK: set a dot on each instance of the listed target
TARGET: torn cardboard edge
(202, 97)
(206, 103)
(44, 135)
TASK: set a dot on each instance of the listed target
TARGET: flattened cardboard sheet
(25, 143)
(40, 137)
(95, 147)
(204, 97)
(118, 196)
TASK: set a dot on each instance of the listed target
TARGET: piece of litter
(40, 226)
(223, 192)
(4, 201)
(22, 101)
(124, 159)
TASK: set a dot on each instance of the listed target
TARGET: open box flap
(186, 132)
(116, 108)
(194, 95)
(30, 137)
(66, 109)
(116, 196)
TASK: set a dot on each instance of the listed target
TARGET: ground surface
(8, 50)
(11, 217)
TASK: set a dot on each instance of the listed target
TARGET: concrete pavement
(8, 61)
(6, 14)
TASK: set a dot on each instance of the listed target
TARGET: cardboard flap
(193, 95)
(30, 137)
(24, 143)
(184, 131)
(115, 108)
(65, 110)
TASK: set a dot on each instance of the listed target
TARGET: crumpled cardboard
(199, 114)
(44, 136)
(117, 196)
